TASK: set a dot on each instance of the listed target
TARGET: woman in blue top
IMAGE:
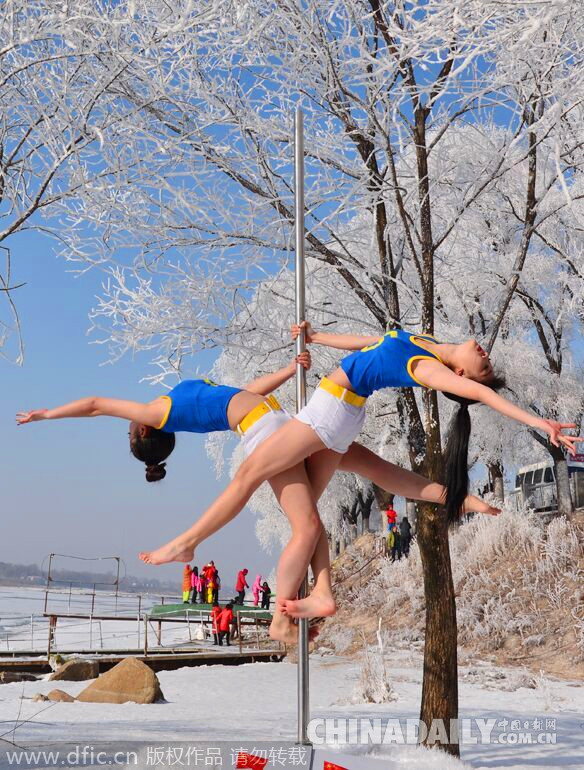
(332, 419)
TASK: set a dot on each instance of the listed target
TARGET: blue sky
(71, 486)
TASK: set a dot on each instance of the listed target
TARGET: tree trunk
(439, 708)
(351, 517)
(384, 499)
(332, 544)
(412, 514)
(496, 479)
(440, 683)
(565, 504)
(366, 504)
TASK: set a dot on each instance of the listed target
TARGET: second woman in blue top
(192, 406)
(197, 406)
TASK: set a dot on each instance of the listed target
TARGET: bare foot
(315, 605)
(173, 551)
(283, 629)
(474, 504)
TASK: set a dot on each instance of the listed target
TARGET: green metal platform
(181, 610)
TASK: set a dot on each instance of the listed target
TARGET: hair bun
(155, 472)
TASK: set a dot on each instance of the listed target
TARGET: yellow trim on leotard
(414, 337)
(165, 418)
(379, 341)
(409, 367)
(431, 357)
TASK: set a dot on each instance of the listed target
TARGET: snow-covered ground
(257, 702)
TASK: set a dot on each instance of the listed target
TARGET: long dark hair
(456, 452)
(152, 449)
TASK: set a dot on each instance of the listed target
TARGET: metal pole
(303, 690)
(48, 582)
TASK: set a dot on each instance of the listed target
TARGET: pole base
(309, 756)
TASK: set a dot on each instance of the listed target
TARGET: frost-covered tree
(543, 319)
(63, 130)
(53, 106)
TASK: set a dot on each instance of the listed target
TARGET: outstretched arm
(95, 406)
(435, 375)
(341, 341)
(269, 382)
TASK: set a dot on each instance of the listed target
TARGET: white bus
(536, 485)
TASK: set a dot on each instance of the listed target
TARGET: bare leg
(400, 481)
(320, 602)
(295, 497)
(322, 465)
(284, 449)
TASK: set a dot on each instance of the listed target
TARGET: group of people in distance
(298, 455)
(221, 622)
(398, 537)
(259, 586)
(205, 584)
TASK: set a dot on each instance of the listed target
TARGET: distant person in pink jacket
(195, 585)
(255, 589)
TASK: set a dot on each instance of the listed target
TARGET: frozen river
(24, 628)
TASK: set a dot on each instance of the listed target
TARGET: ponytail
(456, 458)
(456, 453)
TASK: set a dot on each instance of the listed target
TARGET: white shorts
(335, 422)
(262, 429)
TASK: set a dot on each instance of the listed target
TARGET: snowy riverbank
(257, 702)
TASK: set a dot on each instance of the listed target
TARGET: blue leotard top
(197, 406)
(387, 363)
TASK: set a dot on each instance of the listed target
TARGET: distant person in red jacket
(224, 622)
(215, 615)
(391, 518)
(241, 585)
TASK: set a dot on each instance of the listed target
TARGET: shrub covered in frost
(512, 576)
